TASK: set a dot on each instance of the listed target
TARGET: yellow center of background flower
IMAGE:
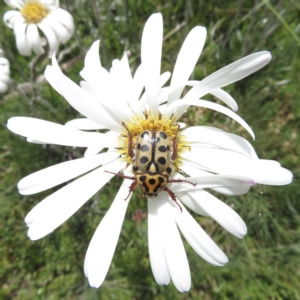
(139, 125)
(34, 12)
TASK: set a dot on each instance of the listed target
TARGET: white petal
(226, 98)
(227, 162)
(53, 42)
(61, 32)
(227, 75)
(5, 72)
(50, 4)
(3, 87)
(92, 107)
(238, 189)
(4, 68)
(53, 133)
(4, 62)
(15, 3)
(12, 17)
(220, 212)
(103, 244)
(164, 77)
(95, 150)
(197, 238)
(58, 207)
(34, 39)
(21, 39)
(173, 247)
(219, 93)
(91, 151)
(151, 49)
(30, 140)
(233, 190)
(121, 73)
(231, 73)
(270, 162)
(198, 136)
(210, 181)
(184, 103)
(156, 252)
(113, 108)
(83, 124)
(81, 101)
(182, 125)
(187, 59)
(190, 203)
(51, 78)
(93, 71)
(57, 174)
(163, 92)
(4, 78)
(138, 82)
(62, 14)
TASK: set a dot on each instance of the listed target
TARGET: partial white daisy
(56, 24)
(114, 100)
(4, 74)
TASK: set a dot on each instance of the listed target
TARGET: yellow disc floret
(34, 12)
(139, 125)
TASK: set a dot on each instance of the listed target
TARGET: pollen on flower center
(138, 125)
(34, 12)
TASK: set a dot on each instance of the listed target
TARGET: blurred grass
(266, 263)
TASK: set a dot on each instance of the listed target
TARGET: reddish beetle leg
(181, 180)
(133, 185)
(130, 151)
(174, 154)
(173, 197)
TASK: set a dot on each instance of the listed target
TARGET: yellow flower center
(139, 125)
(34, 12)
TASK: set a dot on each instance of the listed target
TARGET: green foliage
(265, 265)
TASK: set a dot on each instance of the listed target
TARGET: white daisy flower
(4, 74)
(56, 24)
(144, 141)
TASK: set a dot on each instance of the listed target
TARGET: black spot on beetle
(138, 146)
(169, 170)
(163, 135)
(162, 148)
(144, 148)
(144, 133)
(146, 189)
(142, 178)
(168, 148)
(162, 160)
(152, 181)
(157, 188)
(161, 179)
(135, 168)
(143, 159)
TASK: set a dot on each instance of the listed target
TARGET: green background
(266, 263)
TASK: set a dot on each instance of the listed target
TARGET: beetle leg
(132, 187)
(174, 154)
(173, 197)
(121, 176)
(181, 180)
(130, 151)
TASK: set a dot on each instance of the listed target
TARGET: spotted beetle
(153, 155)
